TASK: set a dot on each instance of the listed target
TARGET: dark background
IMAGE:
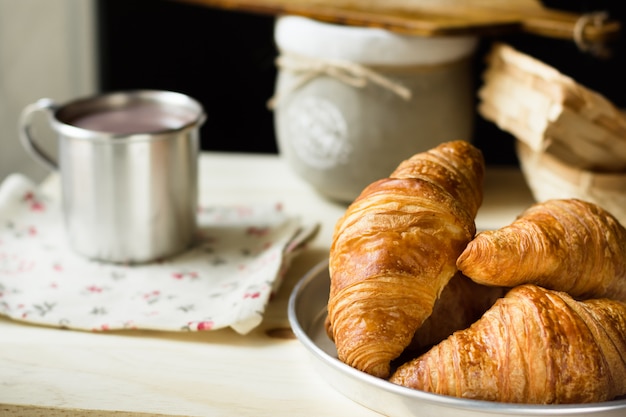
(225, 59)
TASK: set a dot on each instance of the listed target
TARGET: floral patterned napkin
(225, 280)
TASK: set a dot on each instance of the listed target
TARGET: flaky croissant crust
(567, 244)
(394, 250)
(533, 346)
(459, 305)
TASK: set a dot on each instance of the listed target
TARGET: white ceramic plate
(307, 312)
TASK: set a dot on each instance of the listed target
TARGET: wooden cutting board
(437, 17)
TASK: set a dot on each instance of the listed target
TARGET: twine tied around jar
(348, 72)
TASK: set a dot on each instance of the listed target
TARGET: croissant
(534, 346)
(567, 245)
(395, 249)
(460, 304)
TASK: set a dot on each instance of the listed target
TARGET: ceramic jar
(351, 103)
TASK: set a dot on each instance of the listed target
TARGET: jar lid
(373, 46)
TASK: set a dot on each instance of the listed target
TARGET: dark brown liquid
(141, 118)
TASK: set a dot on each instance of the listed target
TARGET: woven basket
(549, 178)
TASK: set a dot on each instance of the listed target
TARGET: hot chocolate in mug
(128, 163)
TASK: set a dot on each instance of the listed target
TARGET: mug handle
(26, 134)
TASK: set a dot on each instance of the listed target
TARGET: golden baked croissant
(460, 304)
(395, 249)
(567, 245)
(533, 346)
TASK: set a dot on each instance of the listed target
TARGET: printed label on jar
(319, 132)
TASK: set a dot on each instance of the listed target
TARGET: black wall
(225, 59)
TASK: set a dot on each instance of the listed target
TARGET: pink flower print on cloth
(225, 280)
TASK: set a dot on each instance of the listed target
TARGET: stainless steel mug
(128, 163)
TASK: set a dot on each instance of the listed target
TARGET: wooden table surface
(53, 372)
